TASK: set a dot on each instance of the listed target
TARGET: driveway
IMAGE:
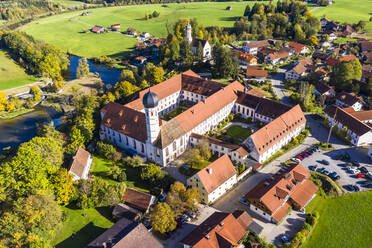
(278, 86)
(173, 241)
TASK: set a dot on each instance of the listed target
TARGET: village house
(366, 72)
(245, 58)
(299, 69)
(345, 100)
(97, 29)
(254, 47)
(324, 21)
(138, 128)
(289, 188)
(298, 48)
(218, 147)
(125, 233)
(256, 73)
(322, 89)
(196, 43)
(277, 57)
(141, 59)
(364, 116)
(131, 31)
(359, 133)
(115, 27)
(214, 180)
(139, 200)
(80, 165)
(220, 230)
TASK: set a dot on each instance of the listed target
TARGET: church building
(206, 47)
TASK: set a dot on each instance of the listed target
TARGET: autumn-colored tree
(162, 218)
(63, 186)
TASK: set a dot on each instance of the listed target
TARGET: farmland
(11, 74)
(66, 30)
(344, 221)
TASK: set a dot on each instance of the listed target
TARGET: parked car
(367, 185)
(285, 239)
(333, 174)
(363, 169)
(325, 162)
(360, 175)
(354, 171)
(356, 188)
(325, 172)
(304, 154)
(320, 170)
(191, 214)
(300, 157)
(186, 218)
(349, 187)
(355, 163)
(244, 201)
(296, 160)
(312, 167)
(162, 197)
(336, 178)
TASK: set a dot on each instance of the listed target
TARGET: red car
(360, 175)
(300, 157)
(304, 154)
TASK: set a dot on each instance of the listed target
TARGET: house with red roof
(98, 29)
(214, 180)
(290, 187)
(298, 48)
(220, 230)
(345, 99)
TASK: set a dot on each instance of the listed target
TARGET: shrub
(133, 162)
(115, 173)
(310, 219)
(106, 150)
(224, 131)
(307, 226)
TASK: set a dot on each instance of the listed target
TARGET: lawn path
(314, 9)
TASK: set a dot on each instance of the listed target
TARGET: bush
(310, 220)
(224, 131)
(133, 162)
(307, 226)
(107, 151)
(115, 173)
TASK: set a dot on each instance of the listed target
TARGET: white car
(296, 160)
(354, 171)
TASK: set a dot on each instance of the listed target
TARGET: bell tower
(188, 33)
(150, 101)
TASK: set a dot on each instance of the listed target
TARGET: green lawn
(87, 224)
(101, 166)
(68, 3)
(64, 30)
(238, 132)
(344, 221)
(7, 115)
(11, 74)
(347, 11)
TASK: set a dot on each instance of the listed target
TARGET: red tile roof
(362, 115)
(222, 170)
(273, 132)
(138, 199)
(257, 44)
(272, 193)
(297, 47)
(349, 98)
(255, 71)
(220, 230)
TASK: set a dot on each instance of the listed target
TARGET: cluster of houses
(116, 28)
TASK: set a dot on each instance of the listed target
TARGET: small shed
(97, 29)
(228, 8)
(145, 35)
(115, 27)
(141, 59)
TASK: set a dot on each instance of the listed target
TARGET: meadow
(344, 221)
(66, 30)
(11, 74)
(347, 11)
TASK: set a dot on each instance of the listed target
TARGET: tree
(117, 174)
(109, 97)
(124, 89)
(83, 68)
(133, 162)
(178, 187)
(191, 197)
(36, 92)
(174, 200)
(192, 157)
(187, 54)
(48, 131)
(225, 65)
(203, 147)
(299, 34)
(199, 53)
(162, 218)
(76, 140)
(150, 172)
(313, 40)
(344, 72)
(127, 75)
(247, 10)
(63, 186)
(106, 150)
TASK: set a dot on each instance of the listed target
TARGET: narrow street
(278, 87)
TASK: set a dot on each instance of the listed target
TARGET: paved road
(278, 86)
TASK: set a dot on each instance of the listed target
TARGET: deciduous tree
(163, 218)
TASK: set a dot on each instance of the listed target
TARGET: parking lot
(338, 166)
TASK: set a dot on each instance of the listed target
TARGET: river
(22, 128)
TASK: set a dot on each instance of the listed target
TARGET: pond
(15, 131)
(108, 76)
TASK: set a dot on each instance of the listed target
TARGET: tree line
(35, 56)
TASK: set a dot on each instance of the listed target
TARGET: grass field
(238, 132)
(347, 11)
(344, 221)
(65, 30)
(11, 74)
(82, 226)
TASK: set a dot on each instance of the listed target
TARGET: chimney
(104, 245)
(207, 236)
(209, 171)
(221, 223)
(121, 113)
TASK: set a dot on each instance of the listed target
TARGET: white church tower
(188, 33)
(150, 101)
